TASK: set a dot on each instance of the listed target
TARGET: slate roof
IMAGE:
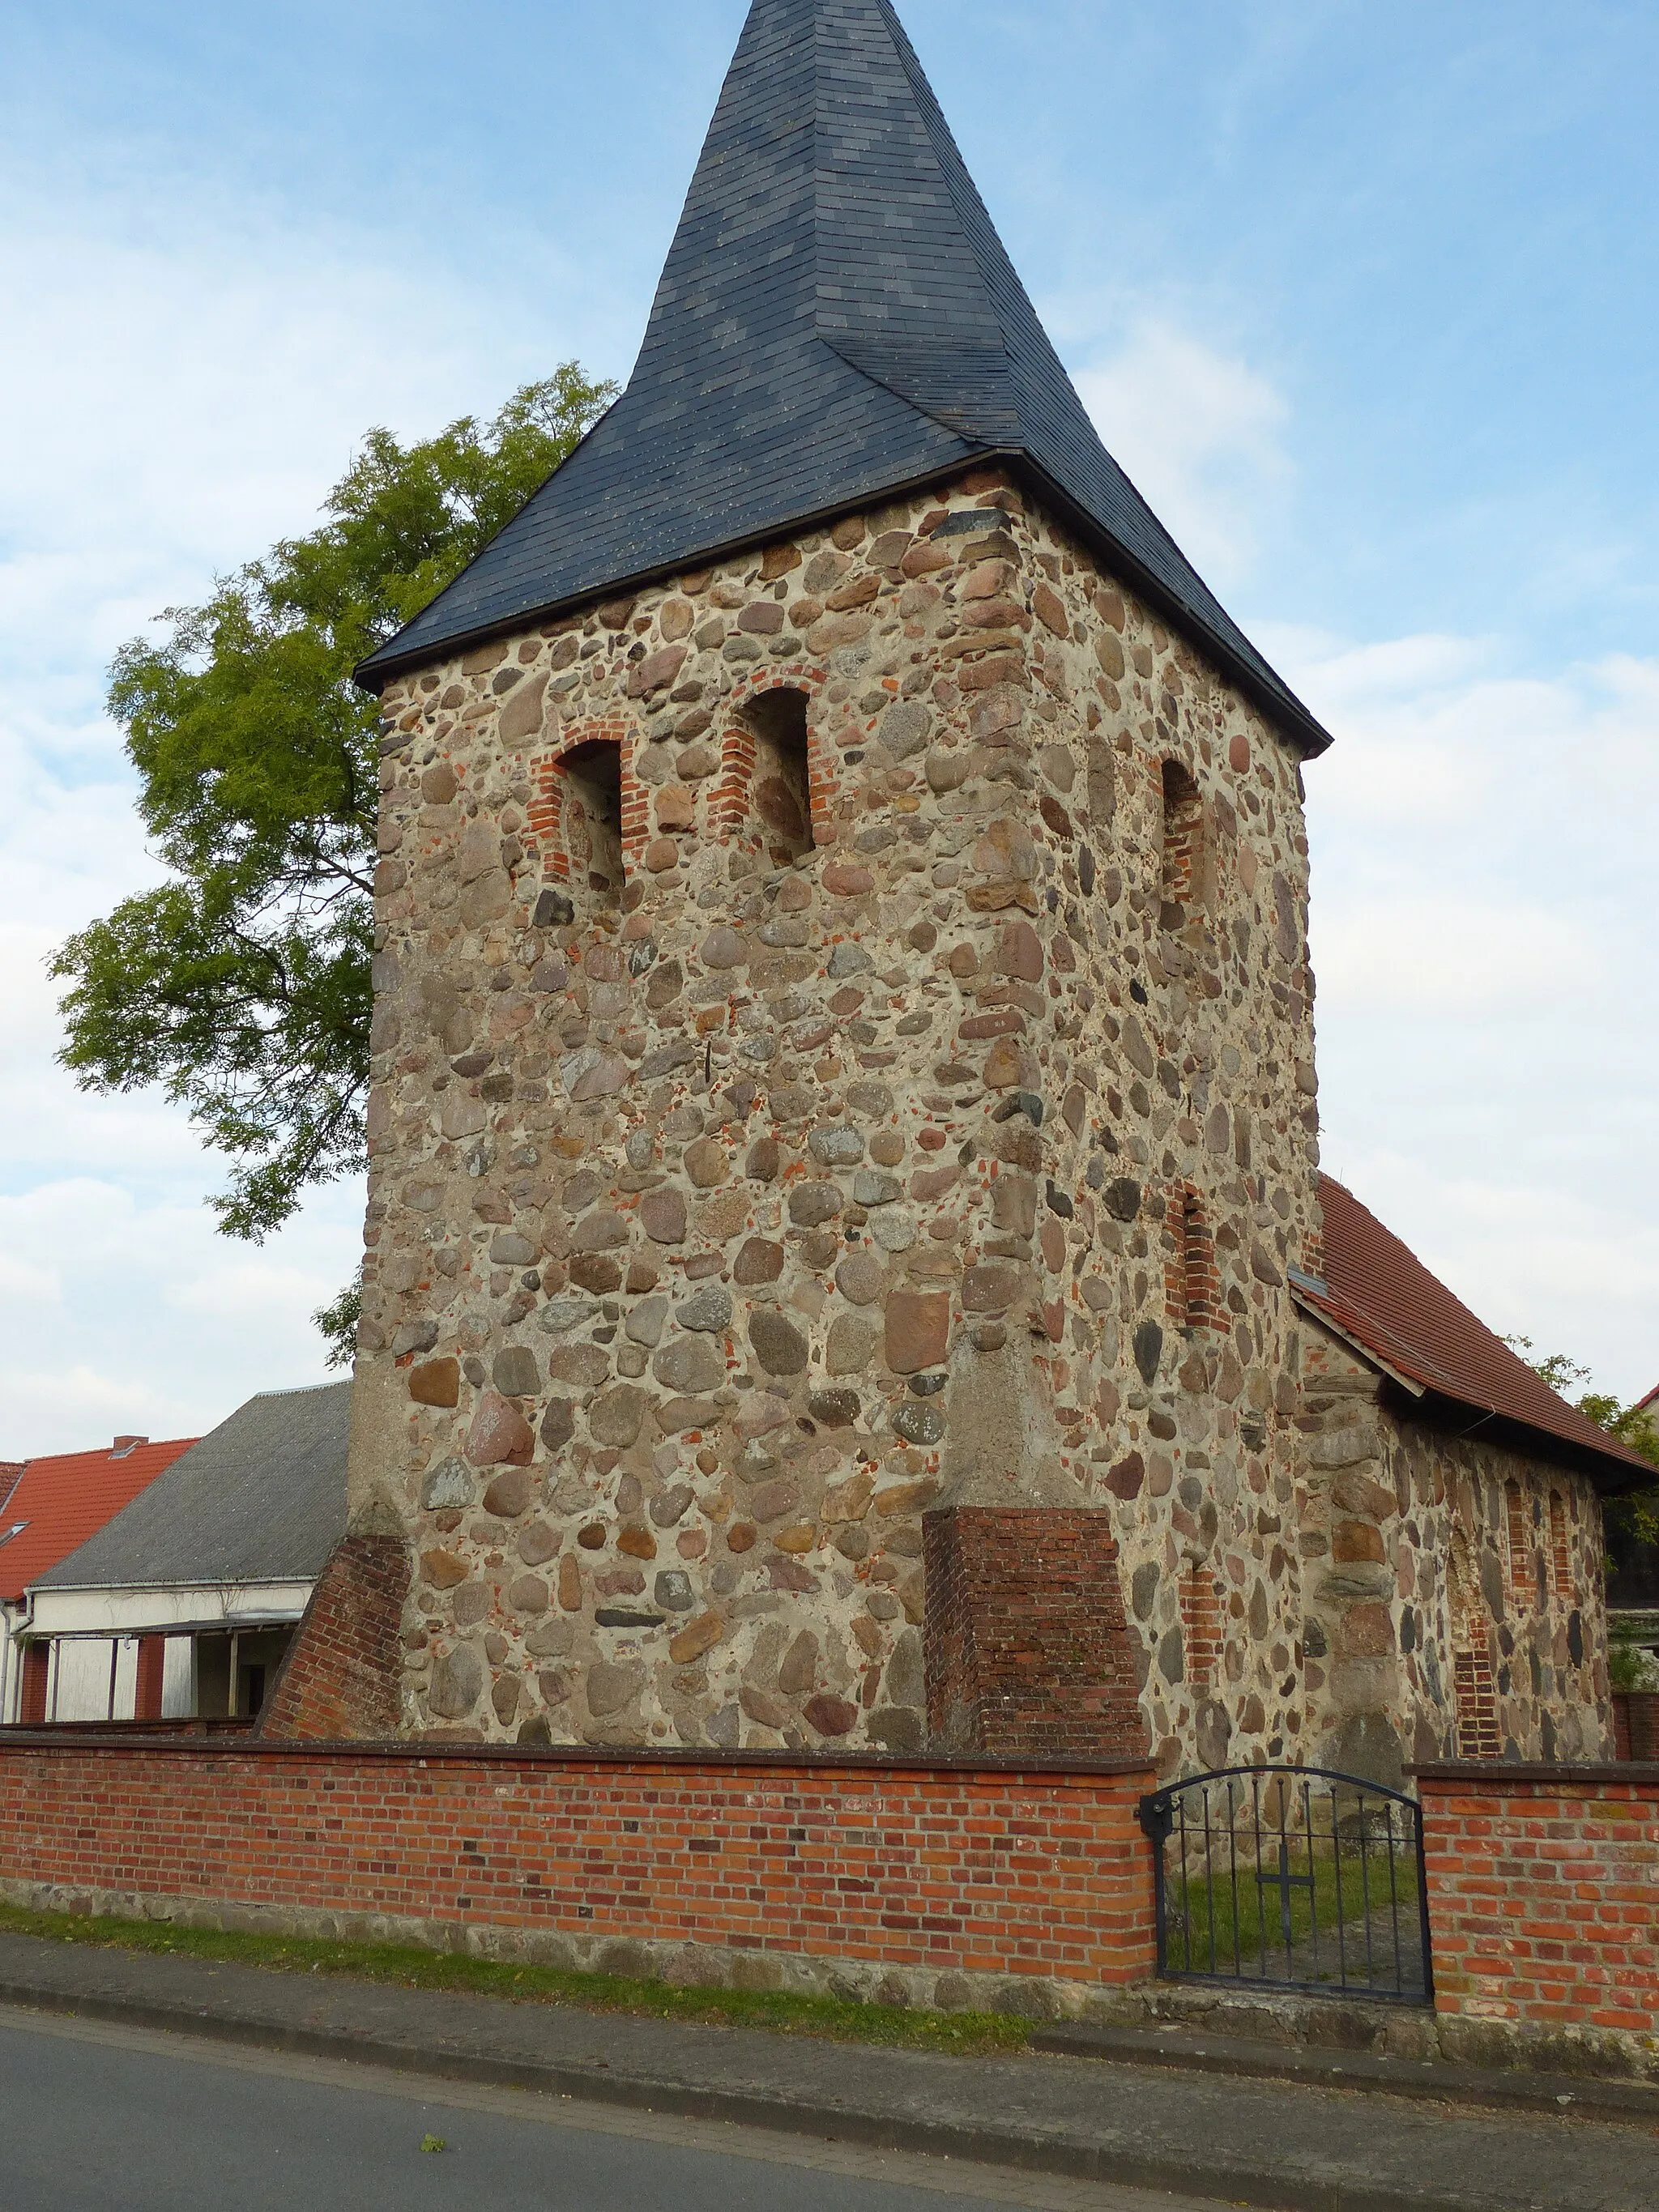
(837, 320)
(1377, 1293)
(63, 1498)
(261, 1499)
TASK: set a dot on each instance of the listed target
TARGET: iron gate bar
(1380, 1821)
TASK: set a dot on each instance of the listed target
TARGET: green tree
(241, 984)
(1636, 1518)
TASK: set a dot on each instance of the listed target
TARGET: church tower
(843, 1124)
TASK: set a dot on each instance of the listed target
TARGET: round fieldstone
(710, 1311)
(919, 1424)
(860, 1278)
(689, 1366)
(758, 1261)
(836, 1148)
(515, 1374)
(448, 1487)
(458, 1681)
(610, 1688)
(778, 1344)
(616, 1416)
(510, 1493)
(811, 1204)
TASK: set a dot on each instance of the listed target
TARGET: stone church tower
(843, 1129)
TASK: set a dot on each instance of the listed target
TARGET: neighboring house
(183, 1605)
(48, 1508)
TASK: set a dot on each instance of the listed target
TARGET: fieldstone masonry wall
(1453, 1590)
(724, 1222)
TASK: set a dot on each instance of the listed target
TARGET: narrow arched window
(1515, 1513)
(1182, 831)
(1193, 1288)
(781, 786)
(590, 817)
(1560, 1548)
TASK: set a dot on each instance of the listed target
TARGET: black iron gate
(1292, 1877)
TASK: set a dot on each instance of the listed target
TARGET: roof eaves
(1310, 1303)
(1282, 708)
(374, 671)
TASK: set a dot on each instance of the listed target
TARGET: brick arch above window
(549, 810)
(738, 818)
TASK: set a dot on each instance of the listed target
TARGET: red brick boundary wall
(1636, 1724)
(1544, 1895)
(942, 1884)
(340, 1675)
(1026, 1645)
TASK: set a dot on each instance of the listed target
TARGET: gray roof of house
(837, 321)
(261, 1499)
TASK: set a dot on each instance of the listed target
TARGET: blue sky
(1360, 296)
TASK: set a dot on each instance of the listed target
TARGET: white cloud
(1483, 845)
(185, 378)
(125, 1310)
(1199, 432)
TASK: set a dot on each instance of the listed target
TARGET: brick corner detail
(1027, 1647)
(340, 1679)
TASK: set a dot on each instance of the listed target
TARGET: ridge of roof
(1377, 1293)
(837, 321)
(63, 1499)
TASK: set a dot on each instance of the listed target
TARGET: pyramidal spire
(837, 321)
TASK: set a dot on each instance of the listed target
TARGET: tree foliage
(1636, 1518)
(241, 984)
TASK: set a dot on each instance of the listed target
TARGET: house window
(1183, 818)
(781, 786)
(590, 817)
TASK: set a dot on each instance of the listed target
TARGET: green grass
(408, 1966)
(1188, 1946)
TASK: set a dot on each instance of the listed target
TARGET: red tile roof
(65, 1499)
(1379, 1293)
(1651, 1399)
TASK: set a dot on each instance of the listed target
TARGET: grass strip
(410, 1966)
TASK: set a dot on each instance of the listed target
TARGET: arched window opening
(1520, 1560)
(1560, 1548)
(780, 787)
(1201, 1626)
(590, 817)
(1192, 1285)
(1183, 821)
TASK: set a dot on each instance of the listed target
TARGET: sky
(1360, 297)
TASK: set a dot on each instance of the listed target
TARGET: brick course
(1544, 1894)
(873, 1867)
(1636, 1724)
(1026, 1645)
(340, 1677)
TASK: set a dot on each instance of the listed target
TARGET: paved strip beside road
(1271, 2144)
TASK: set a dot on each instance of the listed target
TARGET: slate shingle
(837, 320)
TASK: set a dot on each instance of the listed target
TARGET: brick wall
(341, 1676)
(1544, 1894)
(694, 1862)
(1026, 1646)
(1636, 1724)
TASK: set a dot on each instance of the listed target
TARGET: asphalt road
(99, 2118)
